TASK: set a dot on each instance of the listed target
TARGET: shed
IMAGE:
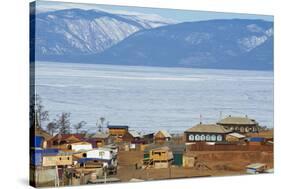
(256, 168)
(148, 138)
(189, 161)
(234, 137)
(162, 136)
(256, 141)
(178, 159)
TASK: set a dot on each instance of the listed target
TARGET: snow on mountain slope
(80, 31)
(249, 43)
(225, 44)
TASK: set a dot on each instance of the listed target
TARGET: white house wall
(80, 147)
(100, 154)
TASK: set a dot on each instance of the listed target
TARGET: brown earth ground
(221, 163)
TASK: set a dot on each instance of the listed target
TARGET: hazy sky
(177, 15)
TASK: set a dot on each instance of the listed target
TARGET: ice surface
(152, 98)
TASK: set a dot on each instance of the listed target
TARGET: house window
(208, 137)
(219, 138)
(197, 137)
(191, 137)
(213, 137)
(203, 137)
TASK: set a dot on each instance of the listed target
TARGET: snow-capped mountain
(95, 36)
(78, 31)
(228, 44)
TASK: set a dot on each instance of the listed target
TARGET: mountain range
(94, 36)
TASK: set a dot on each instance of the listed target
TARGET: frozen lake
(152, 98)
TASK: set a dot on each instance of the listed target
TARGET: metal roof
(165, 133)
(173, 147)
(237, 121)
(255, 165)
(237, 135)
(208, 128)
(134, 133)
(118, 126)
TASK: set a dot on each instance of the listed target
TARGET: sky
(172, 14)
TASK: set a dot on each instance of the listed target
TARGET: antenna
(200, 119)
(99, 126)
(220, 115)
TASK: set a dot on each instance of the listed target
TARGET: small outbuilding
(162, 136)
(256, 168)
(256, 141)
(234, 137)
(131, 136)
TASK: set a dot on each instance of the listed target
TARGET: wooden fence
(229, 147)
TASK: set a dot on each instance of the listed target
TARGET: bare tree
(79, 125)
(52, 127)
(40, 113)
(63, 123)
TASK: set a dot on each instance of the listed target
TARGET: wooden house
(99, 139)
(162, 136)
(117, 130)
(61, 141)
(131, 136)
(239, 124)
(56, 160)
(177, 150)
(206, 133)
(80, 146)
(148, 138)
(159, 157)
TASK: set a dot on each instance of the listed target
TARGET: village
(232, 146)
